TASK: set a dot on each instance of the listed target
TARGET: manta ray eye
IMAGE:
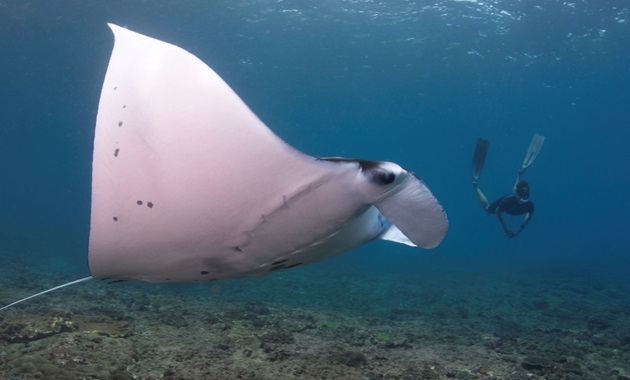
(383, 177)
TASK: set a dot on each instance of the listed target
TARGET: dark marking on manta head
(115, 88)
(124, 106)
(115, 219)
(372, 169)
(116, 152)
(120, 123)
(204, 272)
(237, 249)
(139, 202)
(150, 204)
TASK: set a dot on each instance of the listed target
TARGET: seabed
(319, 322)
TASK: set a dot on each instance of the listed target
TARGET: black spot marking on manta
(150, 204)
(139, 203)
(115, 88)
(115, 219)
(124, 106)
(120, 123)
(237, 249)
(116, 152)
(204, 272)
(279, 262)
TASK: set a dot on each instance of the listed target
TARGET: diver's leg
(482, 198)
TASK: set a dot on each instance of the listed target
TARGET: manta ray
(188, 184)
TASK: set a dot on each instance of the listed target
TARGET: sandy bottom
(321, 322)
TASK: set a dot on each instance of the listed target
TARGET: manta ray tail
(46, 291)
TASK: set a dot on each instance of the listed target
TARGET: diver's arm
(506, 229)
(528, 217)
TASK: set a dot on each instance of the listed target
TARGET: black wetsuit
(509, 204)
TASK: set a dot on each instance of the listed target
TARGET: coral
(74, 356)
(327, 324)
(383, 336)
(351, 358)
(277, 336)
(34, 327)
(536, 362)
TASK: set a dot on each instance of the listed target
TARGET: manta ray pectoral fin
(417, 217)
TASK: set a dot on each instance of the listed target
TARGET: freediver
(519, 202)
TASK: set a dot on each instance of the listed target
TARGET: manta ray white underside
(189, 185)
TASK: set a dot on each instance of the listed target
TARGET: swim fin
(532, 152)
(479, 158)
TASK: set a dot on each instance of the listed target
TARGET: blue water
(413, 82)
